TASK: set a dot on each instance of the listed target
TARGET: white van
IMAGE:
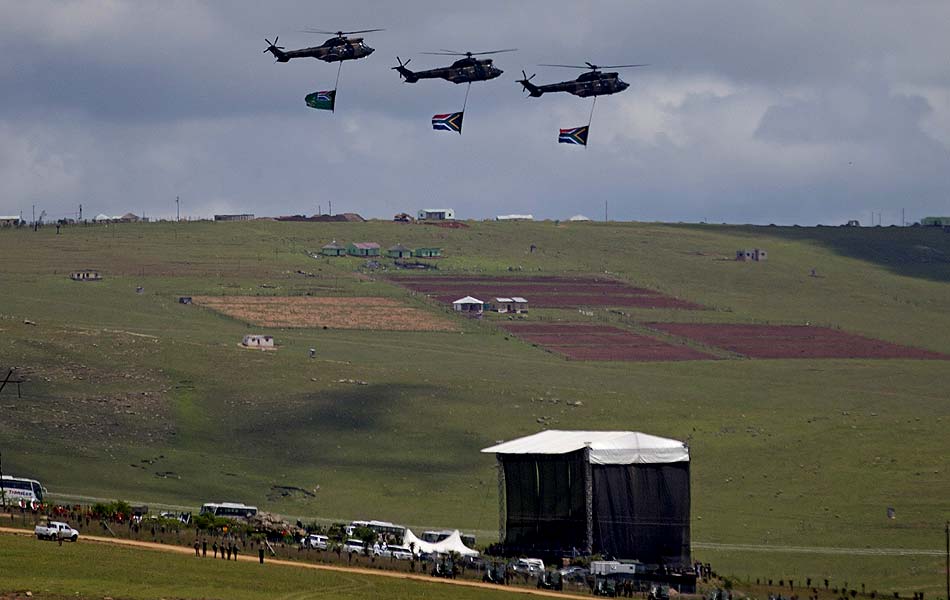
(315, 542)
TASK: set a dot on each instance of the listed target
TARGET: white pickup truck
(55, 530)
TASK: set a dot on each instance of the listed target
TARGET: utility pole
(80, 213)
(331, 207)
(3, 491)
(34, 216)
(177, 208)
(605, 211)
(947, 532)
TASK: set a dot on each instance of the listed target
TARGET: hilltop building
(755, 254)
(935, 221)
(515, 304)
(85, 275)
(9, 221)
(363, 249)
(244, 217)
(436, 214)
(427, 252)
(579, 219)
(514, 218)
(262, 342)
(469, 305)
(399, 251)
(333, 249)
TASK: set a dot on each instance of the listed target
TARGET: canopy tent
(453, 543)
(619, 493)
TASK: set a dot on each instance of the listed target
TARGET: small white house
(469, 305)
(262, 342)
(515, 304)
(514, 218)
(436, 214)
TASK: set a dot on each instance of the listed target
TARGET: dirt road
(85, 539)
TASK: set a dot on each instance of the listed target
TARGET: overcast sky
(750, 112)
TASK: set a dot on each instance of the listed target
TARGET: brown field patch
(792, 341)
(545, 292)
(334, 313)
(602, 342)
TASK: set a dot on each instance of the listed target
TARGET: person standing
(235, 552)
(229, 551)
(204, 548)
(197, 549)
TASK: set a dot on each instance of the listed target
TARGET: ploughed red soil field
(545, 292)
(601, 342)
(792, 341)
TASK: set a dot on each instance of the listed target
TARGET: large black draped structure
(602, 498)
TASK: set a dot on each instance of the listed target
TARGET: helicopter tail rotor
(277, 51)
(405, 73)
(525, 81)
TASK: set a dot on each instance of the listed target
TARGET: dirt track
(302, 565)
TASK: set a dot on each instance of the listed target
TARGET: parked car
(354, 545)
(55, 530)
(575, 574)
(396, 552)
(531, 566)
(314, 541)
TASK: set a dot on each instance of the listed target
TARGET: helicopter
(464, 70)
(595, 83)
(335, 49)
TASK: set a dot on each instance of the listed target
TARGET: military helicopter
(335, 49)
(595, 83)
(464, 70)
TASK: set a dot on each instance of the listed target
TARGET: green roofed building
(427, 252)
(935, 221)
(399, 251)
(333, 249)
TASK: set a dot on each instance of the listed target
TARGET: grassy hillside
(90, 570)
(136, 396)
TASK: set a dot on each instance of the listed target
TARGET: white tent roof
(519, 299)
(579, 218)
(503, 300)
(606, 447)
(453, 543)
(468, 300)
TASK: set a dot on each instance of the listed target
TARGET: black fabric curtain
(544, 497)
(642, 512)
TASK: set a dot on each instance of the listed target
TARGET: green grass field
(90, 570)
(136, 396)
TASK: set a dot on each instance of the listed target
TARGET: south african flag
(448, 122)
(575, 135)
(322, 100)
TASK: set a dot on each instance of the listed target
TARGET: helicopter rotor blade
(564, 66)
(621, 66)
(339, 33)
(494, 51)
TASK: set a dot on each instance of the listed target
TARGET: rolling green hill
(134, 395)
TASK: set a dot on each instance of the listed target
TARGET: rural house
(242, 217)
(9, 221)
(755, 254)
(469, 305)
(258, 341)
(363, 249)
(333, 249)
(427, 252)
(399, 251)
(515, 304)
(436, 214)
(85, 275)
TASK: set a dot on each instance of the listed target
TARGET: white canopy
(453, 543)
(606, 447)
(579, 218)
(468, 300)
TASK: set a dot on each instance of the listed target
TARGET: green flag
(322, 100)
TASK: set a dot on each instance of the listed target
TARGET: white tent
(577, 218)
(606, 447)
(453, 543)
